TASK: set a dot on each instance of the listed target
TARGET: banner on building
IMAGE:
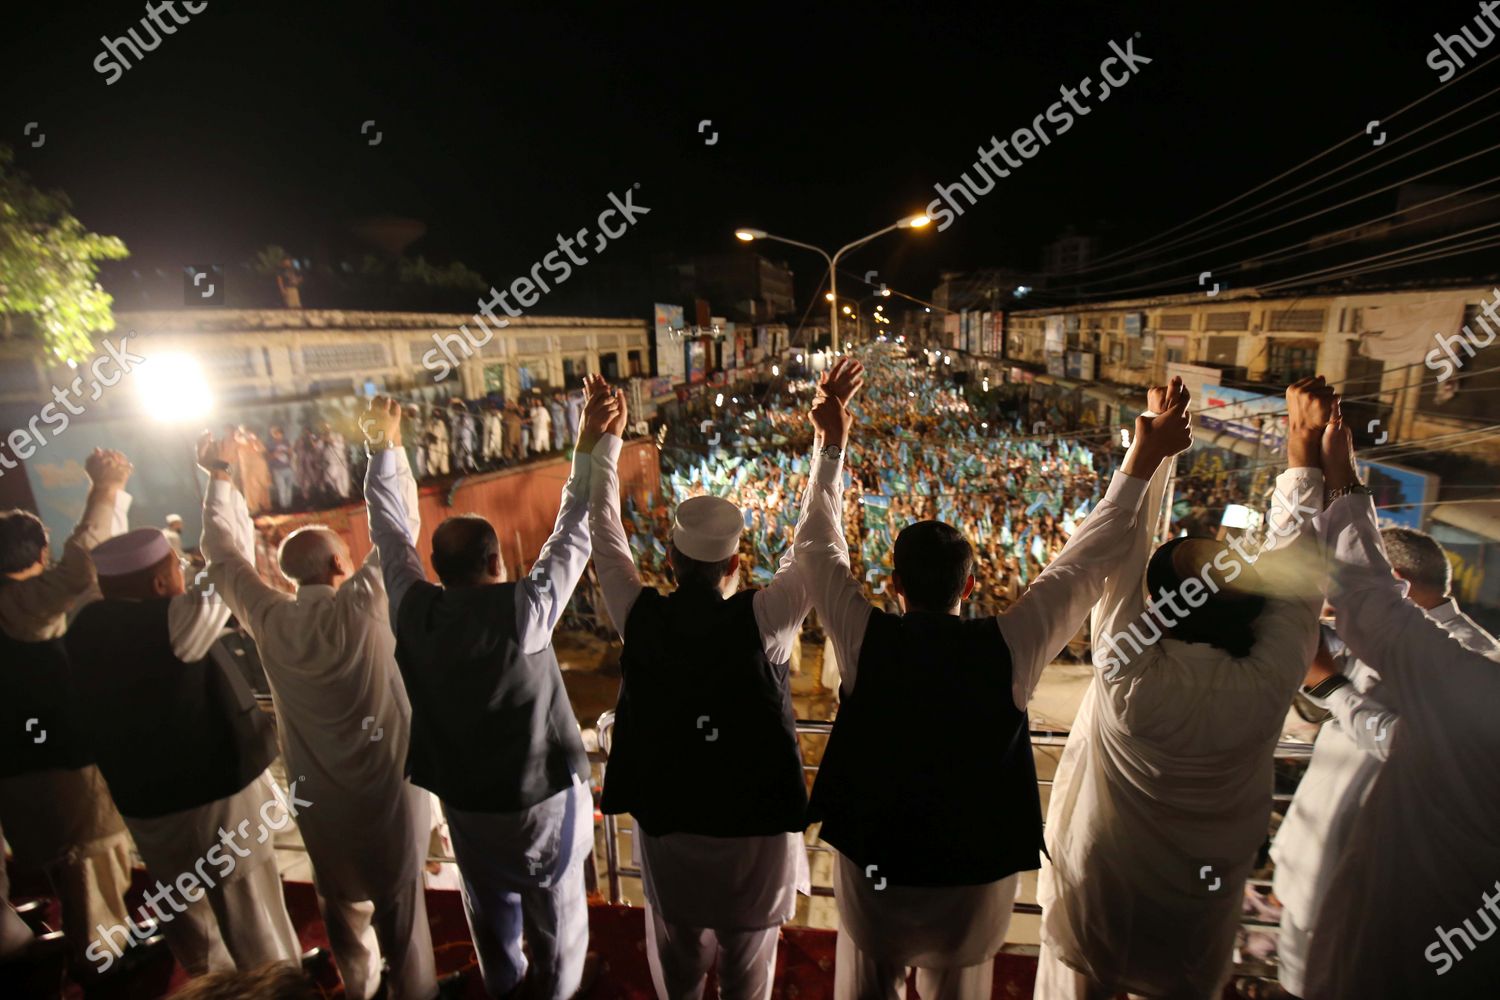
(670, 358)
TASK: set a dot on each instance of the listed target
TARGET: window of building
(1289, 360)
(1221, 350)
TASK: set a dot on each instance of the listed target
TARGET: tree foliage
(48, 268)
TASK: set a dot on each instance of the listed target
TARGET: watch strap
(1326, 688)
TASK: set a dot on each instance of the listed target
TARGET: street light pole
(910, 222)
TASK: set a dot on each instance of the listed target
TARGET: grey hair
(305, 561)
(1417, 556)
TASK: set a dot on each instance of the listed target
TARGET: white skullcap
(173, 517)
(135, 550)
(707, 528)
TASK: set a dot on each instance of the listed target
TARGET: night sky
(503, 126)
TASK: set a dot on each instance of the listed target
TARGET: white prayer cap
(174, 517)
(133, 551)
(708, 528)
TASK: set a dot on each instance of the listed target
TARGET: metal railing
(615, 870)
(1044, 738)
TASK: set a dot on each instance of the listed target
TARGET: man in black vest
(54, 804)
(492, 732)
(928, 859)
(704, 754)
(186, 753)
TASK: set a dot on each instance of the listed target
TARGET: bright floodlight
(848, 311)
(775, 370)
(750, 234)
(828, 296)
(799, 359)
(913, 222)
(885, 291)
(719, 399)
(172, 388)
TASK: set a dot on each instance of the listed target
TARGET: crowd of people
(319, 466)
(1160, 802)
(1017, 496)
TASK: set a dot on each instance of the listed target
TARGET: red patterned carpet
(617, 936)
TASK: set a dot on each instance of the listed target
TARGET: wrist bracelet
(1326, 688)
(1329, 496)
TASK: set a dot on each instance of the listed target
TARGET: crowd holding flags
(1019, 496)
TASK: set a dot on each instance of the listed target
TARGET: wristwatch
(1329, 496)
(831, 452)
(1326, 688)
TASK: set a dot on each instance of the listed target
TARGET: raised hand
(1157, 438)
(618, 424)
(843, 380)
(1336, 453)
(600, 408)
(107, 470)
(1310, 404)
(381, 423)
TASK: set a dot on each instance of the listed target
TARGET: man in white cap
(174, 533)
(54, 804)
(186, 752)
(704, 754)
(330, 658)
(492, 732)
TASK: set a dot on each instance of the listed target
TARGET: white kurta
(1425, 854)
(1163, 793)
(738, 883)
(344, 719)
(1346, 758)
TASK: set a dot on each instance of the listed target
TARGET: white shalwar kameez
(1163, 793)
(344, 724)
(950, 934)
(243, 922)
(1346, 759)
(707, 895)
(1413, 905)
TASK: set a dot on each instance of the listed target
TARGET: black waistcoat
(928, 774)
(705, 739)
(167, 735)
(491, 726)
(38, 721)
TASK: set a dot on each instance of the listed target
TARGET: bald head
(314, 555)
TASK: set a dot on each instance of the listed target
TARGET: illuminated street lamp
(910, 222)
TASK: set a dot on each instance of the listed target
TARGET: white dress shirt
(1168, 771)
(960, 925)
(329, 656)
(694, 880)
(1425, 853)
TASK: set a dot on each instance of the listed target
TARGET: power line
(1267, 257)
(1311, 215)
(1389, 160)
(1287, 173)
